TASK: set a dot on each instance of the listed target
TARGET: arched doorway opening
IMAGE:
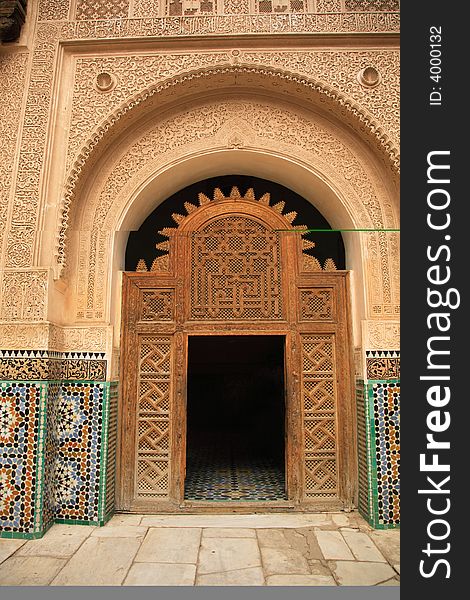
(236, 332)
(235, 442)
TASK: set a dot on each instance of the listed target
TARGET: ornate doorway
(236, 266)
(235, 446)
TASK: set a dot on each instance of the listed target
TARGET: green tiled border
(362, 450)
(107, 397)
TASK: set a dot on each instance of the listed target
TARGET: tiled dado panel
(45, 365)
(57, 445)
(22, 446)
(378, 417)
(383, 364)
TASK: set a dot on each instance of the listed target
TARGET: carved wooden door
(235, 265)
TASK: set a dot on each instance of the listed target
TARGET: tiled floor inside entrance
(322, 549)
(222, 468)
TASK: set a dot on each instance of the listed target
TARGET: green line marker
(330, 230)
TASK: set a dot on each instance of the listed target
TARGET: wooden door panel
(236, 276)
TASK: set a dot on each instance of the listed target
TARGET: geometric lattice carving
(372, 5)
(319, 415)
(102, 9)
(191, 7)
(241, 260)
(316, 304)
(157, 305)
(235, 271)
(153, 416)
(236, 7)
(280, 6)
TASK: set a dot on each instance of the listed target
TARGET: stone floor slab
(218, 555)
(397, 568)
(250, 576)
(170, 545)
(313, 547)
(124, 519)
(60, 541)
(388, 542)
(362, 546)
(333, 545)
(293, 579)
(99, 561)
(280, 561)
(272, 538)
(119, 531)
(340, 519)
(30, 570)
(223, 532)
(361, 573)
(319, 567)
(9, 547)
(265, 521)
(160, 574)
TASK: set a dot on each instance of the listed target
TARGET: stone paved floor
(157, 550)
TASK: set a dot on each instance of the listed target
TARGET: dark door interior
(236, 418)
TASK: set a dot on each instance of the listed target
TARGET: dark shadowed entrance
(235, 418)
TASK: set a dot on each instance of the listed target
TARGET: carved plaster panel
(25, 208)
(324, 6)
(381, 335)
(366, 22)
(53, 10)
(27, 336)
(46, 336)
(135, 74)
(339, 69)
(12, 76)
(236, 7)
(101, 9)
(80, 339)
(264, 125)
(372, 5)
(24, 295)
(146, 8)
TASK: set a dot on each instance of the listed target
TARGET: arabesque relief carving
(53, 10)
(24, 295)
(136, 74)
(12, 76)
(373, 110)
(380, 335)
(273, 127)
(372, 5)
(34, 136)
(33, 336)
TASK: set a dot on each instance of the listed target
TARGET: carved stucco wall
(12, 77)
(28, 189)
(134, 74)
(265, 126)
(54, 10)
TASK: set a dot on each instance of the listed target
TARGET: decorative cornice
(236, 24)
